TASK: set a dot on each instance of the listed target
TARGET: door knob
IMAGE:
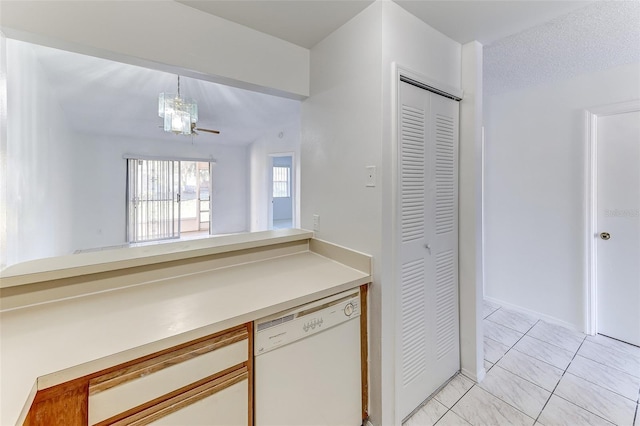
(605, 236)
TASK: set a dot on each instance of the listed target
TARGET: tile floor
(543, 374)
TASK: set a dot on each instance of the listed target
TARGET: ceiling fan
(180, 114)
(200, 129)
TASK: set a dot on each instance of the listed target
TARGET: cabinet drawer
(141, 383)
(227, 407)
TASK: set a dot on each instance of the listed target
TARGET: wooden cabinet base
(364, 351)
(67, 404)
(64, 405)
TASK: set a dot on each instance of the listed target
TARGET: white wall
(535, 202)
(341, 134)
(100, 171)
(260, 171)
(67, 191)
(39, 163)
(471, 264)
(413, 45)
(3, 150)
(346, 126)
(230, 180)
(200, 44)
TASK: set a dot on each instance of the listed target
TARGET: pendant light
(180, 114)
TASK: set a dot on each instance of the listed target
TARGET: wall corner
(471, 247)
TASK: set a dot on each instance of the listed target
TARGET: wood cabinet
(208, 381)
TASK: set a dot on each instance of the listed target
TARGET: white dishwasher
(307, 364)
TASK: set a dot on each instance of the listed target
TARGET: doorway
(168, 199)
(195, 201)
(614, 237)
(427, 311)
(281, 202)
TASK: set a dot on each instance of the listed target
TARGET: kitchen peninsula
(68, 318)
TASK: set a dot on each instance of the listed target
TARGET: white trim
(591, 220)
(292, 189)
(396, 72)
(476, 378)
(168, 158)
(390, 250)
(4, 153)
(421, 78)
(618, 108)
(535, 314)
(591, 314)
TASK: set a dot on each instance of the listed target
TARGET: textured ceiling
(306, 22)
(596, 37)
(486, 20)
(104, 97)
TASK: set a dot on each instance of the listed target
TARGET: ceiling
(591, 36)
(301, 22)
(594, 38)
(306, 22)
(486, 21)
(99, 96)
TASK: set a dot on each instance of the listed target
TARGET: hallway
(543, 374)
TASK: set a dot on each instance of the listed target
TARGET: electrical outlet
(371, 176)
(316, 222)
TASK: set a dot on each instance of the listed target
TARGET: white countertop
(58, 341)
(52, 268)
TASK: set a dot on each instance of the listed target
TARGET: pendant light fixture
(180, 114)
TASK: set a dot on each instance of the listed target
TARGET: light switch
(371, 176)
(316, 222)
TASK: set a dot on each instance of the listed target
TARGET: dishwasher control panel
(287, 327)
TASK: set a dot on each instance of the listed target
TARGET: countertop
(50, 343)
(139, 254)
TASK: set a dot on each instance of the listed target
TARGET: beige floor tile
(560, 412)
(454, 390)
(538, 372)
(480, 408)
(516, 391)
(598, 400)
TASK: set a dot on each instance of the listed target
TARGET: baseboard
(544, 317)
(475, 377)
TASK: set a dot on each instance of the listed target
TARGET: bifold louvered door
(428, 349)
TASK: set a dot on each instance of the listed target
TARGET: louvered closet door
(427, 275)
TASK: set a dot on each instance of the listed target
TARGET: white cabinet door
(427, 230)
(146, 387)
(228, 407)
(618, 176)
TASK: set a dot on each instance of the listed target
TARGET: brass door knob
(605, 236)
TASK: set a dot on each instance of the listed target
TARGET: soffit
(103, 97)
(303, 22)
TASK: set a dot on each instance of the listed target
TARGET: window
(281, 182)
(167, 198)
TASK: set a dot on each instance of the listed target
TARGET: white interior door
(427, 229)
(618, 217)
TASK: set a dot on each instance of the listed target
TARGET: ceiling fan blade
(217, 132)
